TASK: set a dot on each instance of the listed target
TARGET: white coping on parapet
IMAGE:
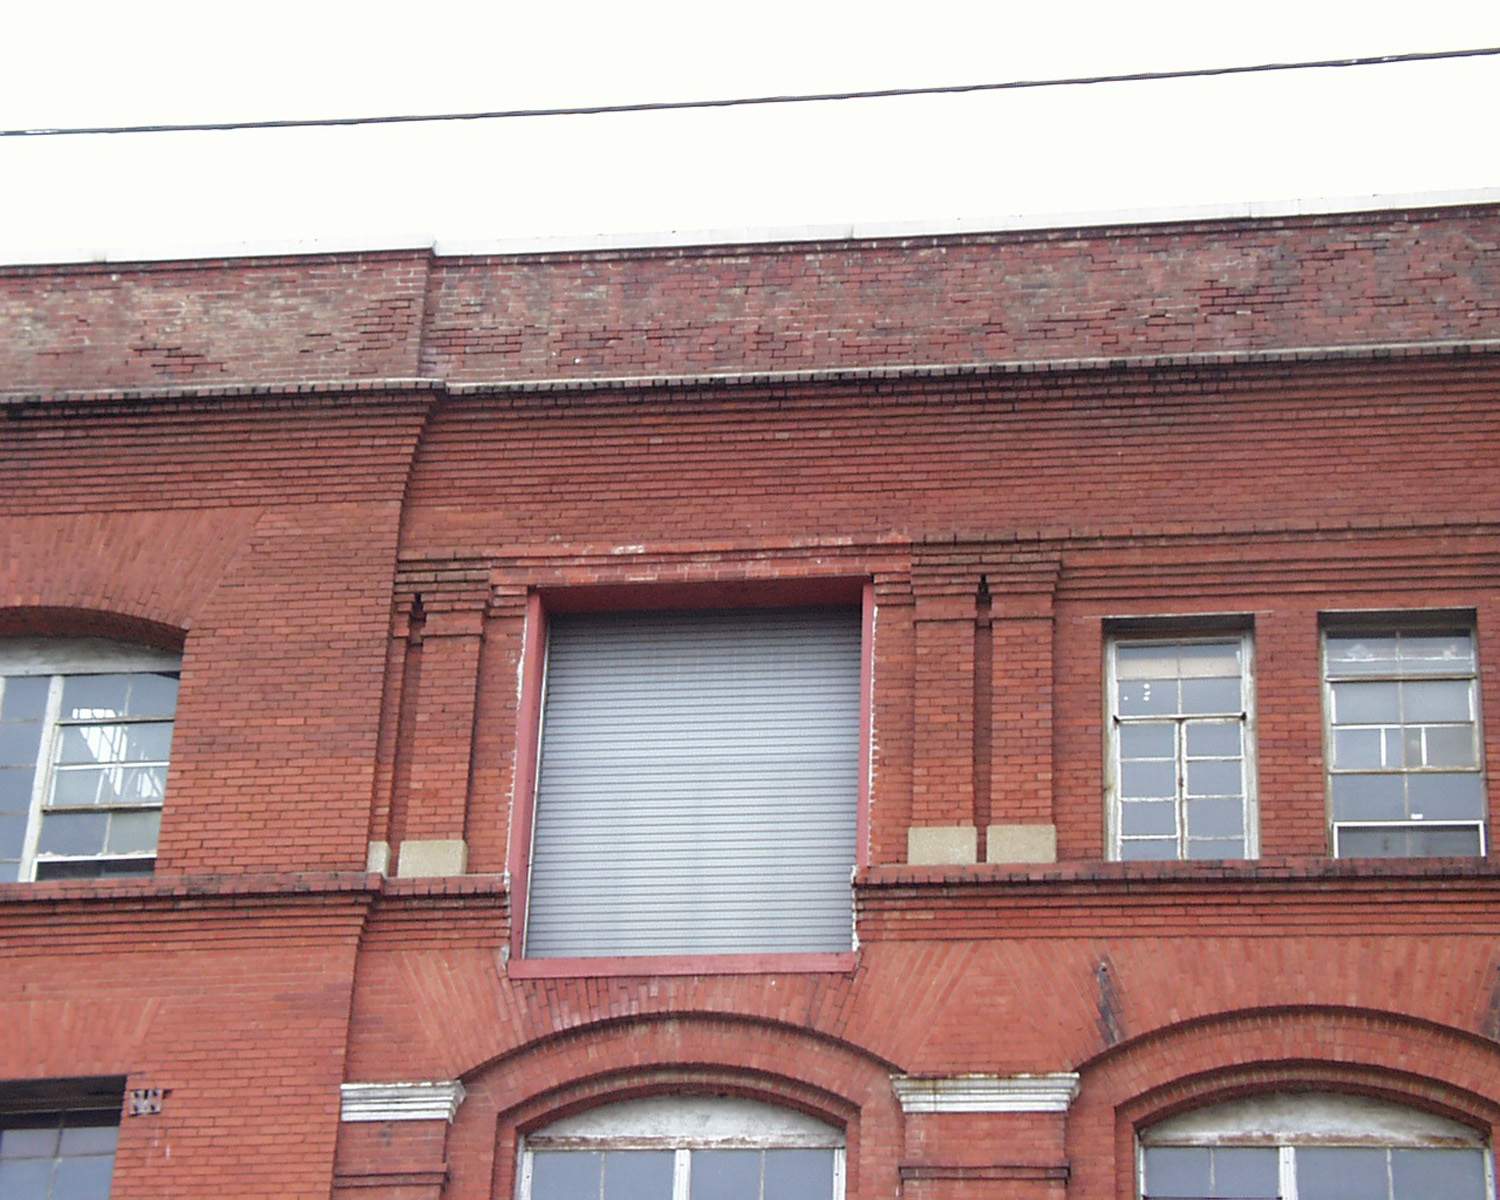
(583, 243)
(422, 1101)
(986, 1093)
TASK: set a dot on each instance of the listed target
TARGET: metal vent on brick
(698, 784)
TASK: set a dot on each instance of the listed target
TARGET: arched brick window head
(684, 1148)
(1312, 1146)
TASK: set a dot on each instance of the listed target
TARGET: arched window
(85, 736)
(684, 1148)
(1313, 1146)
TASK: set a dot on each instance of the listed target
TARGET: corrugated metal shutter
(698, 784)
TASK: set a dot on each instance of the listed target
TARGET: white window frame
(1163, 636)
(627, 1136)
(57, 659)
(1384, 624)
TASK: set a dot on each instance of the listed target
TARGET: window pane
(83, 1178)
(1451, 746)
(25, 698)
(725, 1175)
(1141, 740)
(799, 1174)
(1213, 739)
(91, 697)
(94, 868)
(1373, 843)
(12, 834)
(1450, 1174)
(1216, 849)
(1213, 778)
(108, 785)
(1356, 655)
(1436, 700)
(1369, 798)
(133, 833)
(565, 1175)
(1174, 1171)
(1446, 797)
(1341, 1173)
(1216, 818)
(1247, 1172)
(90, 1139)
(1444, 843)
(15, 788)
(25, 1177)
(19, 742)
(1148, 779)
(1366, 703)
(72, 833)
(153, 695)
(1134, 660)
(1356, 748)
(1144, 817)
(1148, 850)
(149, 742)
(1446, 653)
(1200, 659)
(638, 1175)
(1147, 697)
(1211, 695)
(31, 1143)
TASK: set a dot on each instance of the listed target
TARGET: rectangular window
(85, 737)
(57, 1139)
(1181, 741)
(1404, 753)
(698, 784)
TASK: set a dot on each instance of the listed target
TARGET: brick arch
(1358, 1051)
(157, 568)
(695, 1054)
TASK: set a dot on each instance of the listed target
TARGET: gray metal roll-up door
(698, 784)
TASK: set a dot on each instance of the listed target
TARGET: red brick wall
(284, 540)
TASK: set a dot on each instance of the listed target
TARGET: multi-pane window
(1181, 774)
(85, 737)
(684, 1148)
(1312, 1147)
(58, 1155)
(1404, 752)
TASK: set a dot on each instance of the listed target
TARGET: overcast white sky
(999, 158)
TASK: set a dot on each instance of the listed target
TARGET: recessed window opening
(85, 740)
(684, 1148)
(57, 1139)
(1181, 745)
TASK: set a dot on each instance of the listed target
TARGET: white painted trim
(574, 243)
(435, 1101)
(986, 1093)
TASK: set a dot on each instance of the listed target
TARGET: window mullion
(1286, 1166)
(1180, 748)
(681, 1169)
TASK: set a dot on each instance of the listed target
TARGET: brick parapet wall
(1342, 280)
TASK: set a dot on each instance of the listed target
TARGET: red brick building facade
(358, 495)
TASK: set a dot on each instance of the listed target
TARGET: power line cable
(749, 101)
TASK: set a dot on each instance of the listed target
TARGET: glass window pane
(15, 788)
(40, 1141)
(565, 1175)
(1148, 850)
(1369, 798)
(1340, 1173)
(1356, 748)
(1177, 1171)
(1440, 842)
(799, 1175)
(1148, 779)
(1360, 655)
(19, 742)
(1436, 700)
(83, 1178)
(1450, 746)
(72, 833)
(25, 1177)
(91, 697)
(133, 833)
(25, 697)
(1134, 660)
(1202, 659)
(1147, 697)
(72, 789)
(1216, 849)
(1366, 703)
(94, 868)
(153, 695)
(90, 1139)
(10, 872)
(1211, 695)
(1141, 740)
(724, 1175)
(1451, 1174)
(1213, 739)
(1210, 777)
(12, 834)
(1246, 1172)
(1446, 797)
(638, 1175)
(1138, 817)
(1446, 653)
(1216, 818)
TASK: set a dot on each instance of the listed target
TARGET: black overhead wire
(748, 101)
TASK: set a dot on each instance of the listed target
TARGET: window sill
(683, 964)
